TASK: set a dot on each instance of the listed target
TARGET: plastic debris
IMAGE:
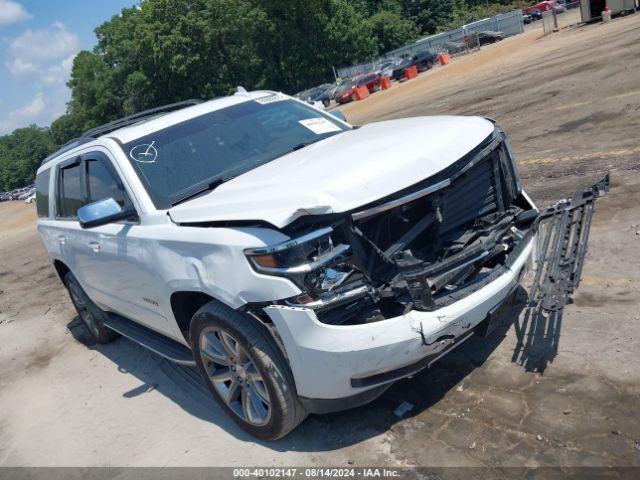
(403, 408)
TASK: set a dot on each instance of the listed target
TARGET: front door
(109, 260)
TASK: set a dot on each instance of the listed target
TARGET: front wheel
(245, 371)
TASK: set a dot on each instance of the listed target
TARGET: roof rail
(71, 144)
(119, 123)
(136, 117)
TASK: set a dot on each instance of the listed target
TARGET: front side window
(70, 197)
(42, 193)
(223, 144)
(103, 183)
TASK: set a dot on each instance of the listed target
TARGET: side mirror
(103, 212)
(339, 115)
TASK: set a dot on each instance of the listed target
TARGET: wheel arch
(184, 304)
(61, 269)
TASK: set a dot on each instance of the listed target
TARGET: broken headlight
(311, 261)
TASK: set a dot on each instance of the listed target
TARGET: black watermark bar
(348, 472)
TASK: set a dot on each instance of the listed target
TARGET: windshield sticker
(319, 125)
(276, 97)
(144, 153)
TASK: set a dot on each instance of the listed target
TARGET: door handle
(62, 239)
(95, 246)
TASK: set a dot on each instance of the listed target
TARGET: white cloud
(21, 68)
(44, 58)
(45, 54)
(41, 109)
(47, 44)
(58, 73)
(12, 12)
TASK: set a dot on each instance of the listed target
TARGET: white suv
(302, 264)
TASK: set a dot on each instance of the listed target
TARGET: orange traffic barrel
(385, 83)
(362, 92)
(445, 58)
(411, 72)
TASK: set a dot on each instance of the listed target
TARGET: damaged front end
(420, 249)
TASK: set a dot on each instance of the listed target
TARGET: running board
(151, 340)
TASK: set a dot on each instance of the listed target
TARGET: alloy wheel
(83, 310)
(235, 376)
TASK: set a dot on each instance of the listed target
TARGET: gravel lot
(570, 104)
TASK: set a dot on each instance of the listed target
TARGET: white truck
(301, 263)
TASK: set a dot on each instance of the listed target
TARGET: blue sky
(38, 40)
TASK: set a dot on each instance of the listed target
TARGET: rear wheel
(326, 103)
(353, 97)
(90, 314)
(245, 371)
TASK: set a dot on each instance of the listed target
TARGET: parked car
(25, 193)
(4, 196)
(544, 6)
(536, 14)
(454, 47)
(279, 250)
(348, 92)
(30, 198)
(317, 94)
(422, 60)
(385, 69)
(485, 37)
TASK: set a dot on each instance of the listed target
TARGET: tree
(428, 15)
(21, 153)
(391, 30)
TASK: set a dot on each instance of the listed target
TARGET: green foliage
(164, 51)
(21, 154)
(391, 30)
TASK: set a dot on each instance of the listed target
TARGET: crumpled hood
(340, 173)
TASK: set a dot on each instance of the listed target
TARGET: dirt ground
(561, 393)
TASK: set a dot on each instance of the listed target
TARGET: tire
(251, 370)
(429, 65)
(376, 88)
(326, 103)
(91, 315)
(353, 97)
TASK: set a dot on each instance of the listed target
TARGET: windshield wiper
(306, 144)
(301, 145)
(197, 190)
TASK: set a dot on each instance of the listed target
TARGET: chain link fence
(460, 40)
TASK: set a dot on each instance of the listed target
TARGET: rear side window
(42, 193)
(69, 191)
(103, 183)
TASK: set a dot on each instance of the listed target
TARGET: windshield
(187, 157)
